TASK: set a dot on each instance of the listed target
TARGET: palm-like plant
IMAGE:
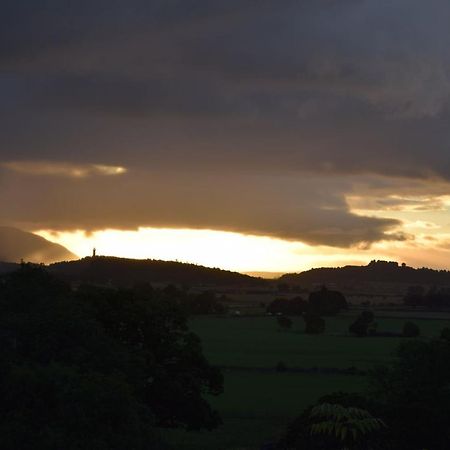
(350, 426)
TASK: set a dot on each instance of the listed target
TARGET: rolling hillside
(16, 245)
(124, 272)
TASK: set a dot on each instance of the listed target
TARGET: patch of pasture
(258, 402)
(257, 408)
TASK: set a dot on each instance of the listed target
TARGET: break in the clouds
(50, 168)
(263, 117)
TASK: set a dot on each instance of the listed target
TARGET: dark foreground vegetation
(97, 368)
(86, 367)
(410, 399)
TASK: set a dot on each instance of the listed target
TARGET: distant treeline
(376, 271)
(433, 298)
(324, 302)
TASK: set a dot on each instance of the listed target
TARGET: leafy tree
(415, 392)
(326, 302)
(348, 425)
(410, 329)
(411, 396)
(360, 327)
(321, 427)
(204, 303)
(98, 369)
(314, 324)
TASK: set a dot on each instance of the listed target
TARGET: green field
(259, 402)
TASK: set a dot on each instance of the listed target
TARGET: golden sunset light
(225, 225)
(245, 253)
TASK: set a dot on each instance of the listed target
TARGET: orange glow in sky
(234, 251)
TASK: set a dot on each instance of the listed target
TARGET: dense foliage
(411, 396)
(326, 302)
(98, 368)
(338, 421)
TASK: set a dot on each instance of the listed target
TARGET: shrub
(360, 327)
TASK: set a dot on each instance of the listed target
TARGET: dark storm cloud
(177, 91)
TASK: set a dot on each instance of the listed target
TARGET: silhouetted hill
(7, 267)
(17, 244)
(125, 272)
(374, 272)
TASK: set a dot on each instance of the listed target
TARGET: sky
(249, 135)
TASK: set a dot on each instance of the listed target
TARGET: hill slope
(17, 244)
(123, 272)
(374, 272)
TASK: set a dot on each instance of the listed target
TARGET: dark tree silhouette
(360, 327)
(326, 302)
(97, 368)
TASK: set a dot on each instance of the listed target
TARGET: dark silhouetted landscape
(224, 225)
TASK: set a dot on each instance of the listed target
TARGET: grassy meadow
(258, 401)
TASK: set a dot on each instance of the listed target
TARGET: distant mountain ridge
(374, 272)
(16, 245)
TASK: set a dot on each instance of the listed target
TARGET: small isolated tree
(284, 322)
(411, 330)
(350, 426)
(326, 302)
(314, 324)
(361, 325)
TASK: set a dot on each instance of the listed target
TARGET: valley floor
(259, 402)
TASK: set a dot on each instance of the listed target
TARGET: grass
(258, 342)
(257, 405)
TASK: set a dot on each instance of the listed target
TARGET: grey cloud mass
(254, 116)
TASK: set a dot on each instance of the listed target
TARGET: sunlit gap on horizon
(222, 249)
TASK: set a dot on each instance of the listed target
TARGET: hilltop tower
(94, 252)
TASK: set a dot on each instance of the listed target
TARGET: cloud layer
(253, 116)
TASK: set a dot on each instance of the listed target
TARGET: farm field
(258, 402)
